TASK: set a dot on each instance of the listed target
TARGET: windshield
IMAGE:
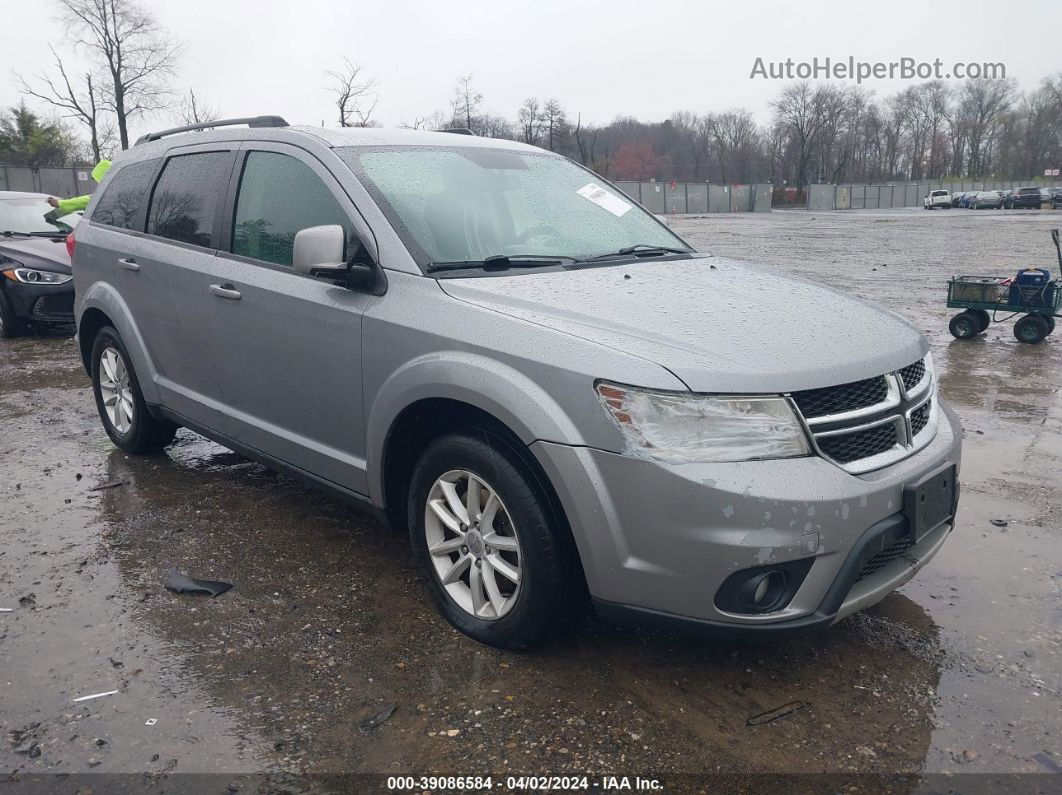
(27, 216)
(467, 204)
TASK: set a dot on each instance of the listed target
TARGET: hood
(42, 253)
(717, 324)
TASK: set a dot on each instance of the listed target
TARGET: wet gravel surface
(329, 625)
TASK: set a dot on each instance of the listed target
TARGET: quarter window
(186, 197)
(280, 195)
(120, 203)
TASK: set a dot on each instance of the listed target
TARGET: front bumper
(41, 303)
(657, 541)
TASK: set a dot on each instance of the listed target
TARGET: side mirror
(318, 251)
(663, 219)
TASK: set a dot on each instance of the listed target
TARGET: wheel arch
(102, 306)
(427, 419)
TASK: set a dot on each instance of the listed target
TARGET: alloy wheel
(115, 389)
(473, 544)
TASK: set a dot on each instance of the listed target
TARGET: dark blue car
(36, 286)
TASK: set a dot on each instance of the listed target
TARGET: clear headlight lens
(686, 428)
(31, 276)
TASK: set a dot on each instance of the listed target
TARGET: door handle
(226, 291)
(129, 264)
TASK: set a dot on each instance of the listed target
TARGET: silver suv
(495, 349)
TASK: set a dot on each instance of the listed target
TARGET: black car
(1056, 198)
(36, 286)
(1029, 198)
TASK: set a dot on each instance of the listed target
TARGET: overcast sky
(645, 59)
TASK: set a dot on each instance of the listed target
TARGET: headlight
(31, 276)
(686, 428)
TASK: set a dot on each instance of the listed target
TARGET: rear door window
(279, 195)
(185, 202)
(126, 189)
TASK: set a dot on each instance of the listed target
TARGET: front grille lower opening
(885, 557)
(920, 418)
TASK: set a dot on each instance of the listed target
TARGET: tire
(525, 612)
(984, 319)
(10, 326)
(1031, 329)
(113, 373)
(1050, 321)
(964, 326)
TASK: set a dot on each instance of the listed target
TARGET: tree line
(827, 132)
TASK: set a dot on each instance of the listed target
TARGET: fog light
(762, 589)
(763, 592)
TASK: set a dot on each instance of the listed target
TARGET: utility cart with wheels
(1032, 293)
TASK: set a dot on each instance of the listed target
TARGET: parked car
(937, 198)
(956, 199)
(986, 199)
(1056, 198)
(966, 201)
(497, 351)
(1004, 196)
(36, 287)
(1025, 198)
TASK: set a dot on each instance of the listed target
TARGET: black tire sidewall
(10, 325)
(543, 584)
(1031, 321)
(956, 322)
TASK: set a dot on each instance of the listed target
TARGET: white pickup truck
(937, 198)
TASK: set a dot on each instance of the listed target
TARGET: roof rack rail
(457, 130)
(250, 121)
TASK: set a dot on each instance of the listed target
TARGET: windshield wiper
(640, 249)
(500, 262)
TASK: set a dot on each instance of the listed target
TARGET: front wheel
(120, 402)
(10, 326)
(1031, 329)
(489, 542)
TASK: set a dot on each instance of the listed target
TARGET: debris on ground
(95, 695)
(182, 583)
(371, 723)
(777, 713)
(998, 522)
(112, 484)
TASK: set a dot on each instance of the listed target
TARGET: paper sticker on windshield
(602, 198)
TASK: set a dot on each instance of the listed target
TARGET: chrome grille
(864, 425)
(838, 399)
(920, 417)
(912, 374)
(849, 447)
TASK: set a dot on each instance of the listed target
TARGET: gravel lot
(328, 624)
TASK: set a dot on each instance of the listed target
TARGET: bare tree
(530, 119)
(356, 98)
(196, 111)
(83, 103)
(555, 123)
(585, 141)
(465, 103)
(137, 56)
(981, 105)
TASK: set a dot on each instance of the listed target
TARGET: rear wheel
(488, 540)
(984, 319)
(10, 326)
(1031, 329)
(120, 402)
(964, 325)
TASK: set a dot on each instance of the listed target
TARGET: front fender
(491, 386)
(106, 299)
